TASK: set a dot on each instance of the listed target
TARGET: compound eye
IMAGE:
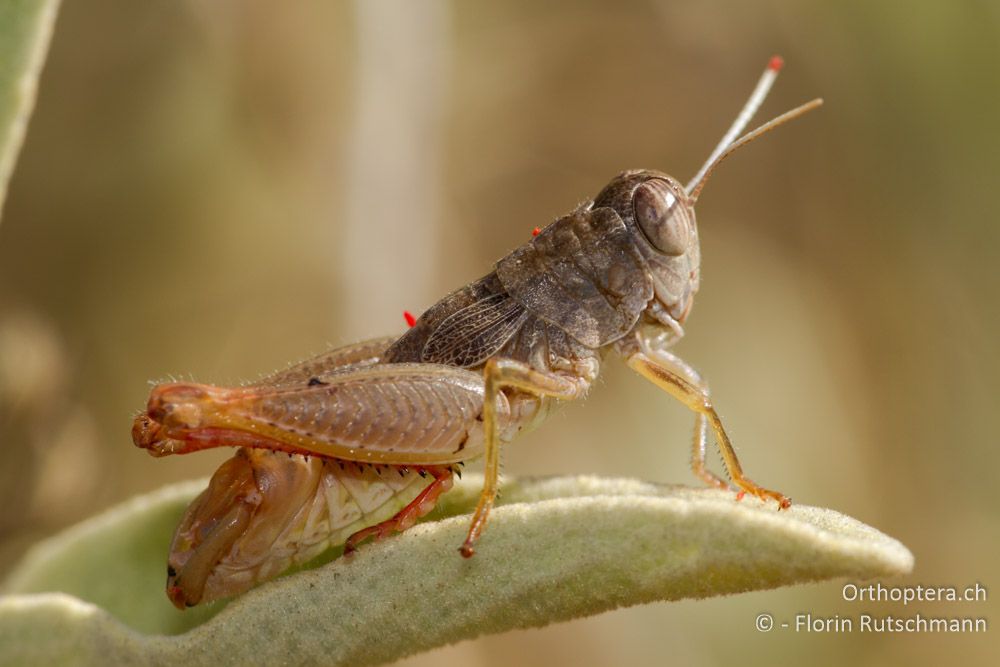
(662, 217)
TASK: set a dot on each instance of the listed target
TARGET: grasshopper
(333, 450)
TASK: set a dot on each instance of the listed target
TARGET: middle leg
(500, 373)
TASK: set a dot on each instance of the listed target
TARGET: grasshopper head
(659, 211)
(660, 216)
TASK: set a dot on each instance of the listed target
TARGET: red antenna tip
(410, 319)
(777, 62)
(536, 231)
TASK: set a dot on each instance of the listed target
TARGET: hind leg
(406, 517)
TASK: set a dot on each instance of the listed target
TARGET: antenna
(729, 142)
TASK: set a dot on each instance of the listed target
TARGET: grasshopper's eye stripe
(662, 217)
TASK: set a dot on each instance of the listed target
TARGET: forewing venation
(470, 336)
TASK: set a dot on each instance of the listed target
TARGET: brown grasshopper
(330, 451)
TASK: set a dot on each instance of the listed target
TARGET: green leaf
(555, 549)
(25, 29)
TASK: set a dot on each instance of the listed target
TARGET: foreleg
(697, 399)
(699, 442)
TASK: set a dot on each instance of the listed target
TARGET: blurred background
(212, 190)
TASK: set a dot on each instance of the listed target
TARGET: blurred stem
(25, 29)
(394, 162)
